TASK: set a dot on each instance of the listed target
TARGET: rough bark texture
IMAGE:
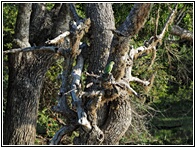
(184, 34)
(114, 118)
(109, 120)
(23, 98)
(21, 109)
(26, 73)
(120, 45)
(102, 21)
(118, 121)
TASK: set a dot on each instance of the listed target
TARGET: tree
(101, 109)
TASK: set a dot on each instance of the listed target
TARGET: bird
(109, 67)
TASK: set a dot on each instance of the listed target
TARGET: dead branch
(182, 33)
(168, 22)
(58, 38)
(80, 29)
(76, 74)
(157, 21)
(127, 87)
(149, 46)
(59, 134)
(51, 49)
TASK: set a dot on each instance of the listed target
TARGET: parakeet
(109, 67)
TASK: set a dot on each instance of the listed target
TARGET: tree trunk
(25, 81)
(23, 98)
(109, 116)
(27, 71)
(114, 118)
(111, 120)
(102, 22)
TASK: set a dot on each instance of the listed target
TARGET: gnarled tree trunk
(102, 111)
(26, 73)
(112, 119)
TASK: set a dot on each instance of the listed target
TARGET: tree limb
(76, 74)
(74, 13)
(120, 45)
(51, 49)
(67, 129)
(61, 22)
(136, 19)
(22, 24)
(37, 20)
(184, 34)
(58, 38)
(168, 22)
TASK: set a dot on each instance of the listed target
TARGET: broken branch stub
(58, 38)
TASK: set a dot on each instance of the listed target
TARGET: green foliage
(186, 21)
(10, 12)
(9, 20)
(171, 96)
(80, 8)
(46, 125)
(51, 85)
(121, 10)
(49, 6)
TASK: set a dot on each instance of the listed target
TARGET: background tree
(95, 104)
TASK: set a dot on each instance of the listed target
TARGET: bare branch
(67, 129)
(58, 38)
(181, 15)
(62, 106)
(168, 22)
(184, 34)
(122, 83)
(74, 13)
(76, 74)
(80, 30)
(136, 19)
(61, 22)
(120, 46)
(51, 49)
(157, 22)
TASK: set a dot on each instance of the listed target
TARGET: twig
(122, 83)
(92, 75)
(157, 22)
(69, 91)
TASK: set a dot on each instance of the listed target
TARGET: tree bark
(118, 122)
(182, 33)
(21, 109)
(102, 23)
(26, 73)
(113, 119)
